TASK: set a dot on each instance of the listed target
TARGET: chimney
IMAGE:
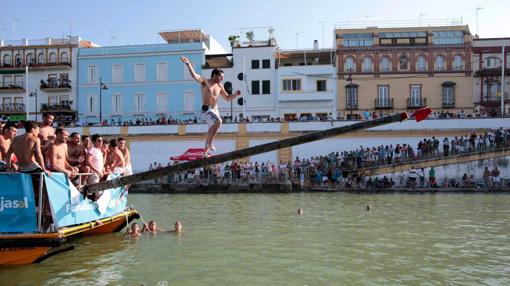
(315, 45)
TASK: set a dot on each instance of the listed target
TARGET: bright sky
(297, 22)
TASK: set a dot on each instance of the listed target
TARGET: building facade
(386, 70)
(488, 61)
(39, 76)
(126, 84)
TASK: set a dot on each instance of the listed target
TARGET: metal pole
(100, 102)
(26, 92)
(35, 105)
(503, 63)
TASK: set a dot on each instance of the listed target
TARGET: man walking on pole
(211, 91)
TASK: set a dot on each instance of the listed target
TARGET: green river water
(258, 239)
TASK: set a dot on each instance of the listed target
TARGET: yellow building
(396, 69)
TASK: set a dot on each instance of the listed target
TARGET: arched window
(41, 59)
(64, 57)
(367, 65)
(439, 64)
(18, 60)
(7, 59)
(458, 63)
(53, 58)
(349, 65)
(30, 59)
(385, 64)
(421, 64)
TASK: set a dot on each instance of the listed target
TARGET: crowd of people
(347, 168)
(43, 148)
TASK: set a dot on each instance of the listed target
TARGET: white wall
(145, 152)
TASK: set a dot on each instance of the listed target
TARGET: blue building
(127, 83)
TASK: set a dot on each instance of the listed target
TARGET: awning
(190, 155)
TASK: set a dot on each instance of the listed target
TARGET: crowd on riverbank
(347, 168)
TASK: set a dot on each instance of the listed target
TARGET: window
(52, 80)
(7, 59)
(17, 60)
(91, 104)
(139, 72)
(493, 62)
(266, 87)
(448, 37)
(189, 102)
(30, 59)
(162, 102)
(448, 96)
(92, 75)
(64, 57)
(18, 104)
(358, 40)
(385, 64)
(6, 80)
(117, 104)
(18, 80)
(415, 100)
(383, 96)
(64, 80)
(41, 59)
(321, 85)
(439, 64)
(117, 73)
(421, 64)
(266, 64)
(53, 58)
(255, 87)
(349, 65)
(291, 84)
(255, 64)
(139, 103)
(458, 63)
(367, 64)
(162, 72)
(351, 98)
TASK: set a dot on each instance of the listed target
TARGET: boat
(41, 214)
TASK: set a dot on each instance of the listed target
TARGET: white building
(487, 65)
(39, 76)
(276, 83)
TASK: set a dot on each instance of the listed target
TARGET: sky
(298, 23)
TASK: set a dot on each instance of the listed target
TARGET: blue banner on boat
(17, 203)
(69, 207)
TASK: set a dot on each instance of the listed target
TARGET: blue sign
(70, 207)
(17, 203)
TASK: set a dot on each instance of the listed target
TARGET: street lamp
(101, 87)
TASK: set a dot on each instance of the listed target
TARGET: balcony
(450, 104)
(12, 108)
(54, 84)
(383, 104)
(63, 106)
(306, 95)
(351, 106)
(8, 87)
(33, 66)
(416, 102)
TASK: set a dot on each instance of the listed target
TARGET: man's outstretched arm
(228, 97)
(194, 75)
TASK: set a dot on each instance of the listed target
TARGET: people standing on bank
(211, 91)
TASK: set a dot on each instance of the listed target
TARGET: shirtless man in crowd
(76, 154)
(116, 164)
(57, 155)
(127, 155)
(211, 91)
(46, 131)
(27, 148)
(7, 133)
